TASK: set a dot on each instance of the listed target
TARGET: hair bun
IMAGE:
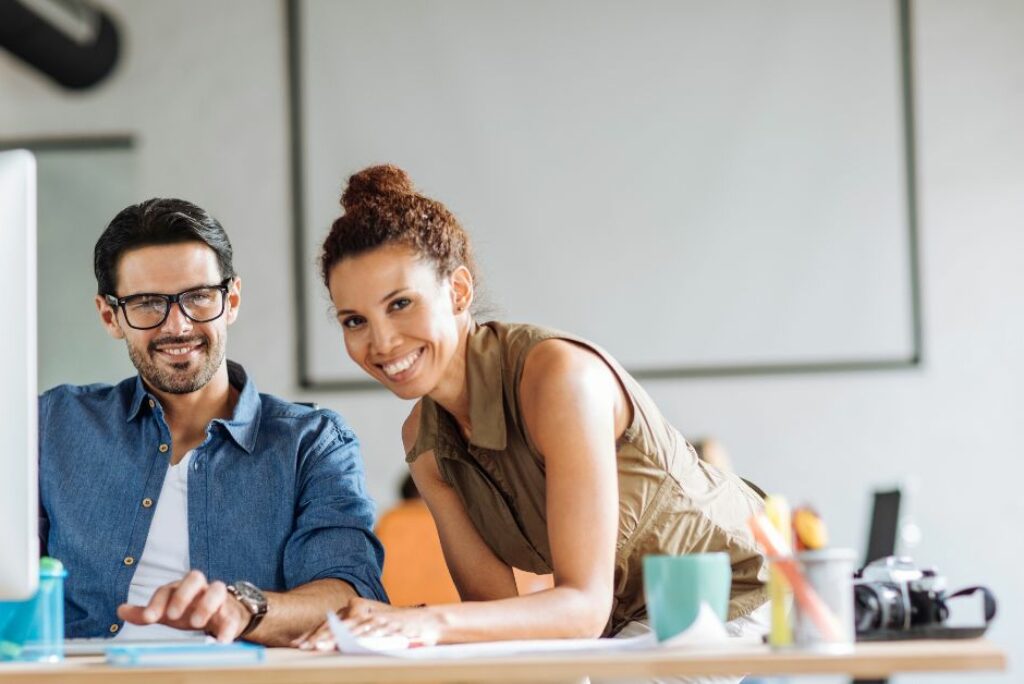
(375, 181)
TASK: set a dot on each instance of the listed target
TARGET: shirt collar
(139, 395)
(484, 378)
(245, 421)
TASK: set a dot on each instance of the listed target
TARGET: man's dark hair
(157, 221)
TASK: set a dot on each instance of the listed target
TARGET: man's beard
(179, 380)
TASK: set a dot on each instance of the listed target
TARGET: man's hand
(192, 603)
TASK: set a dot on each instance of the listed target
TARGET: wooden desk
(285, 666)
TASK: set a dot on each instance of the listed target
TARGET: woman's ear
(462, 289)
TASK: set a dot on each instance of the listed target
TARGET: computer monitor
(19, 508)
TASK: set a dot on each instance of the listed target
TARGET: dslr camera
(893, 594)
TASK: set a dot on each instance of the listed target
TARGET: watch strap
(257, 609)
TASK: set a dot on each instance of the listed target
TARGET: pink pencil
(778, 550)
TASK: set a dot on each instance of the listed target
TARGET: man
(183, 494)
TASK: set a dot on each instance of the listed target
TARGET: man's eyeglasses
(146, 310)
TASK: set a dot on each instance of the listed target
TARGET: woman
(532, 448)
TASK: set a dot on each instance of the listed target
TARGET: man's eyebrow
(383, 299)
(154, 292)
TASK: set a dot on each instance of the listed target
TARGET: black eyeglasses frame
(171, 299)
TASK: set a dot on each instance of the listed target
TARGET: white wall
(202, 88)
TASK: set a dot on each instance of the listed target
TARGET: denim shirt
(276, 495)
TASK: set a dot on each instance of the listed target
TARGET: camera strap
(987, 595)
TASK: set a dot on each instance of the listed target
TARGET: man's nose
(176, 322)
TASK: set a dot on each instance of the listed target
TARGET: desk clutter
(891, 598)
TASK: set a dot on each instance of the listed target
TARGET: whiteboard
(694, 186)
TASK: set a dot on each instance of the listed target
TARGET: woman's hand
(366, 618)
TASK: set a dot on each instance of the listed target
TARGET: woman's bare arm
(479, 575)
(574, 409)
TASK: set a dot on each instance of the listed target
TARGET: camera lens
(867, 611)
(877, 606)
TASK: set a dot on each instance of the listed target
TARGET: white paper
(707, 628)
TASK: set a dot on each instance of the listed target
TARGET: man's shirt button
(129, 561)
(114, 628)
(152, 404)
(147, 502)
(163, 448)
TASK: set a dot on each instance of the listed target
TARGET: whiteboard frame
(913, 360)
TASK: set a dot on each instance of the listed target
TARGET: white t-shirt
(165, 557)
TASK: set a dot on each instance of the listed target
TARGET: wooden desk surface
(286, 666)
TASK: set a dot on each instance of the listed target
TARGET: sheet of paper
(707, 628)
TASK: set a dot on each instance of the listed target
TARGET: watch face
(249, 591)
(251, 597)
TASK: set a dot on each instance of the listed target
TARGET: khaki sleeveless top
(669, 501)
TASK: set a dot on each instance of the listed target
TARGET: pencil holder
(829, 573)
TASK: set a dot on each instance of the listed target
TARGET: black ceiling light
(72, 42)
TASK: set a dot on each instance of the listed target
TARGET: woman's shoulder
(411, 427)
(547, 349)
(556, 356)
(518, 335)
(419, 430)
(516, 342)
(564, 369)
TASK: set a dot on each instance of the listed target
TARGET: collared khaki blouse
(669, 501)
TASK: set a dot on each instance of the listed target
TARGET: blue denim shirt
(275, 495)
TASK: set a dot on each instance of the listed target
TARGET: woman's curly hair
(381, 207)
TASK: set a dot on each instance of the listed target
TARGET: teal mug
(676, 586)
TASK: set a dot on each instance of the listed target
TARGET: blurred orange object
(414, 568)
(809, 529)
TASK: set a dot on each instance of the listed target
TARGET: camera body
(893, 594)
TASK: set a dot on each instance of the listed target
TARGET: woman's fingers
(360, 608)
(322, 642)
(361, 617)
(321, 634)
(297, 641)
(376, 626)
(319, 639)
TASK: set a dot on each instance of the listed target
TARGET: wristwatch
(254, 601)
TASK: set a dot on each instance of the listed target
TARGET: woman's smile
(403, 367)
